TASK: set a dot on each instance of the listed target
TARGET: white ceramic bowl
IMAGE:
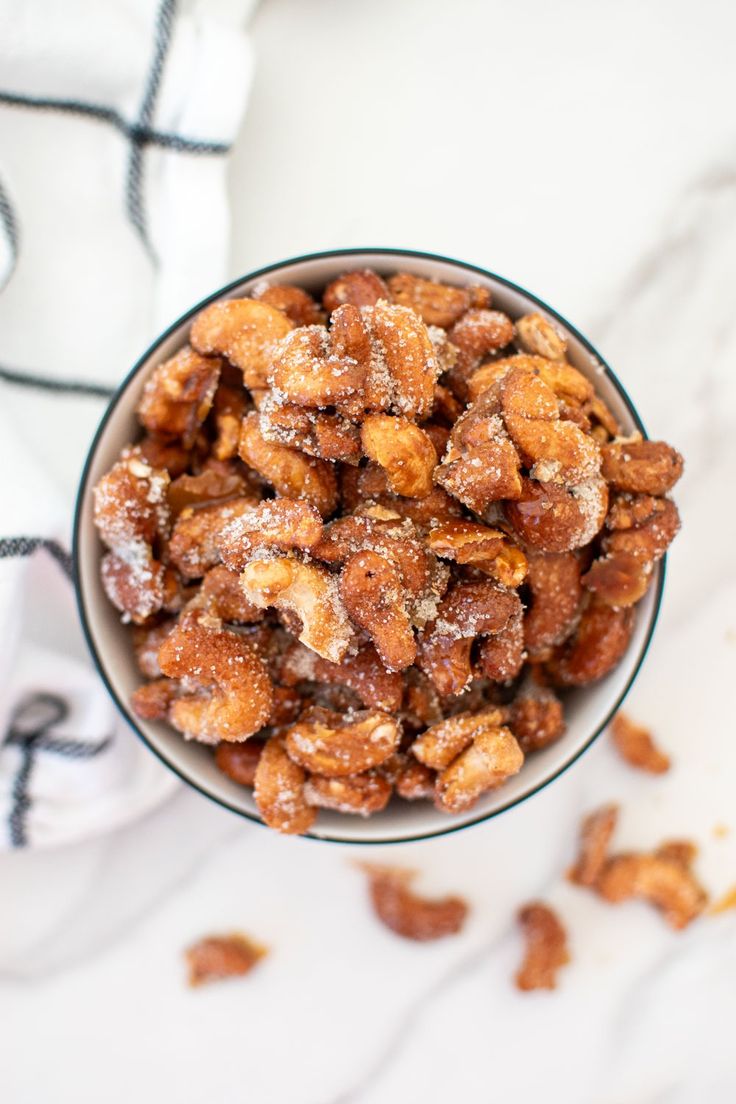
(587, 710)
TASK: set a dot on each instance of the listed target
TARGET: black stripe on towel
(47, 383)
(9, 225)
(13, 547)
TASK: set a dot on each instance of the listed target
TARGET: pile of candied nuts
(364, 543)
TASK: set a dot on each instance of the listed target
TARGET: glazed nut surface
(370, 540)
(406, 913)
(546, 947)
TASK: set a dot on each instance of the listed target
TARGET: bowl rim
(120, 391)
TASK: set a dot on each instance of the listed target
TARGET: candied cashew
(661, 877)
(404, 451)
(295, 302)
(443, 742)
(596, 646)
(290, 472)
(492, 758)
(362, 288)
(328, 743)
(373, 594)
(243, 330)
(277, 523)
(326, 436)
(216, 957)
(539, 336)
(546, 947)
(436, 304)
(408, 915)
(359, 794)
(556, 594)
(502, 655)
(178, 395)
(239, 761)
(638, 535)
(550, 517)
(309, 373)
(636, 745)
(309, 592)
(412, 780)
(232, 693)
(194, 544)
(222, 595)
(229, 407)
(279, 791)
(147, 639)
(643, 467)
(595, 836)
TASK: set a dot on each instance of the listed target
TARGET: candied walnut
(643, 467)
(279, 524)
(307, 591)
(493, 756)
(556, 594)
(217, 957)
(443, 742)
(556, 451)
(178, 396)
(328, 743)
(279, 791)
(296, 303)
(539, 336)
(362, 288)
(239, 761)
(216, 482)
(636, 745)
(244, 331)
(404, 451)
(596, 646)
(290, 472)
(223, 596)
(194, 544)
(363, 672)
(436, 304)
(553, 518)
(359, 794)
(536, 716)
(372, 592)
(152, 701)
(468, 610)
(147, 639)
(502, 655)
(408, 915)
(546, 947)
(231, 692)
(326, 436)
(595, 836)
(663, 878)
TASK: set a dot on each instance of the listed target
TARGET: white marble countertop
(589, 153)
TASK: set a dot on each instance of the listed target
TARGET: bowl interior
(587, 710)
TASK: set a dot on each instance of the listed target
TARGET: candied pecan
(231, 691)
(546, 947)
(404, 451)
(553, 518)
(636, 745)
(362, 489)
(595, 836)
(540, 336)
(493, 756)
(362, 288)
(278, 523)
(644, 467)
(295, 302)
(178, 395)
(443, 742)
(290, 472)
(596, 646)
(328, 743)
(279, 791)
(152, 701)
(216, 482)
(536, 717)
(662, 877)
(239, 761)
(359, 794)
(216, 957)
(436, 304)
(223, 596)
(405, 913)
(468, 610)
(194, 544)
(372, 592)
(556, 593)
(307, 591)
(244, 331)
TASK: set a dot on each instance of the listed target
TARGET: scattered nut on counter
(380, 537)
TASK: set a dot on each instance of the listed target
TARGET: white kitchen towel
(115, 124)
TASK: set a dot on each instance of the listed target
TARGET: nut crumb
(217, 957)
(636, 745)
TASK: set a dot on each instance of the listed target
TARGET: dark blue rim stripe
(349, 255)
(133, 131)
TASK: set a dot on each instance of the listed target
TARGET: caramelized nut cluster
(377, 537)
